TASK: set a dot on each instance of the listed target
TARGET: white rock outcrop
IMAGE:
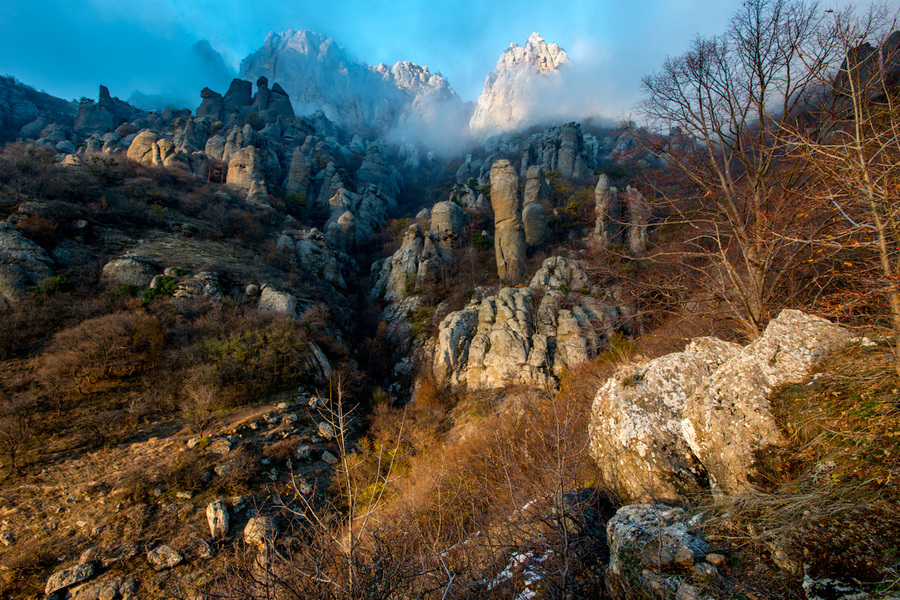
(527, 335)
(694, 420)
(513, 91)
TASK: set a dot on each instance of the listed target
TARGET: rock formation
(512, 92)
(23, 265)
(103, 115)
(608, 211)
(694, 420)
(534, 215)
(527, 335)
(319, 75)
(638, 218)
(509, 232)
(563, 149)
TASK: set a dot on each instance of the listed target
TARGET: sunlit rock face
(317, 74)
(515, 90)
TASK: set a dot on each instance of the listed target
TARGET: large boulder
(729, 417)
(23, 265)
(130, 270)
(636, 429)
(681, 423)
(651, 546)
(509, 232)
(141, 148)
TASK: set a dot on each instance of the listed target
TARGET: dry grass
(828, 500)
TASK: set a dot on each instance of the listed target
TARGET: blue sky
(68, 48)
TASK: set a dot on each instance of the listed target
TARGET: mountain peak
(508, 100)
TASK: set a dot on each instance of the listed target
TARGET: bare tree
(722, 102)
(851, 142)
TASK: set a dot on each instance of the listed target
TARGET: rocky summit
(514, 92)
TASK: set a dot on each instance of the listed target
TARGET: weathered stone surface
(729, 418)
(645, 541)
(246, 171)
(316, 255)
(212, 105)
(23, 264)
(68, 577)
(163, 557)
(141, 148)
(130, 270)
(259, 531)
(217, 518)
(277, 301)
(526, 335)
(447, 223)
(509, 232)
(638, 218)
(534, 220)
(636, 434)
(413, 266)
(608, 213)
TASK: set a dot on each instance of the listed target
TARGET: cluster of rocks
(620, 221)
(692, 421)
(21, 105)
(528, 335)
(260, 144)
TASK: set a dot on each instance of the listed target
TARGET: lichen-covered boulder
(729, 417)
(636, 435)
(645, 541)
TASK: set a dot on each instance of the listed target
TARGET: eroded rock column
(509, 233)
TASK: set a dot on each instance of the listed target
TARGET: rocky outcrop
(637, 420)
(447, 223)
(651, 549)
(513, 92)
(23, 265)
(106, 114)
(415, 265)
(22, 106)
(509, 232)
(534, 215)
(527, 335)
(212, 105)
(638, 220)
(729, 418)
(562, 149)
(608, 211)
(246, 171)
(279, 301)
(316, 255)
(694, 420)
